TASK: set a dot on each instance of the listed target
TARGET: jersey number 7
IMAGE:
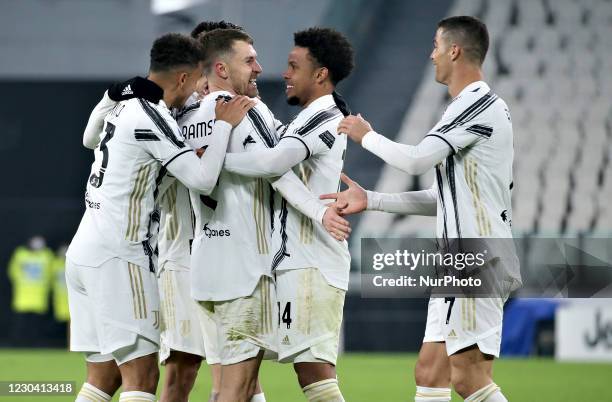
(97, 179)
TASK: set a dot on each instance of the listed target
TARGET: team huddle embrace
(206, 236)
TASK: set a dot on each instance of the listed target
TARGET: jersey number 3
(97, 179)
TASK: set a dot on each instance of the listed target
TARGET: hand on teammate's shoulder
(233, 111)
(355, 127)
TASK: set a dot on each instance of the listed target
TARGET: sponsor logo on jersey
(286, 340)
(209, 232)
(127, 90)
(90, 203)
(452, 334)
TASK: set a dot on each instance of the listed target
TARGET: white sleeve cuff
(374, 200)
(321, 213)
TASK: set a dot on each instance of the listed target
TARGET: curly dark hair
(175, 50)
(207, 26)
(330, 49)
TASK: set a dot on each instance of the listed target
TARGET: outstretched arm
(296, 193)
(355, 199)
(267, 162)
(412, 159)
(201, 174)
(91, 135)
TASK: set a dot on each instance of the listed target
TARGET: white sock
(136, 396)
(258, 397)
(427, 394)
(323, 391)
(490, 393)
(89, 393)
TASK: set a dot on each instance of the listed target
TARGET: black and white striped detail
(161, 123)
(471, 112)
(159, 180)
(145, 135)
(188, 109)
(440, 184)
(481, 130)
(328, 139)
(262, 129)
(318, 120)
(450, 176)
(282, 252)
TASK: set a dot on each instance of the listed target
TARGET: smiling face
(300, 76)
(441, 57)
(243, 69)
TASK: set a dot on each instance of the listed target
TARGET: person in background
(29, 272)
(59, 289)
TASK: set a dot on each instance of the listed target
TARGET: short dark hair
(330, 49)
(220, 41)
(207, 26)
(470, 33)
(175, 50)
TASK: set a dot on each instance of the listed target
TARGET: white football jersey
(300, 242)
(474, 183)
(231, 249)
(176, 226)
(121, 220)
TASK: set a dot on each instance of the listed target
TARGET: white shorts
(246, 325)
(111, 306)
(186, 327)
(471, 321)
(310, 316)
(142, 347)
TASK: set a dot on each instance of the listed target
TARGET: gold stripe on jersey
(135, 199)
(260, 217)
(269, 307)
(265, 309)
(133, 289)
(142, 294)
(468, 314)
(171, 224)
(168, 302)
(306, 225)
(136, 293)
(471, 170)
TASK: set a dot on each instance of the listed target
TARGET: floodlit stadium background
(550, 61)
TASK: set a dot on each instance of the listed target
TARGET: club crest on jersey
(208, 232)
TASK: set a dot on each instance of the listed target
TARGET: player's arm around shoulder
(200, 174)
